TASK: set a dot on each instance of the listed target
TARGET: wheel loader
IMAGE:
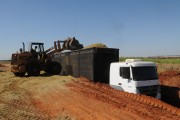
(37, 59)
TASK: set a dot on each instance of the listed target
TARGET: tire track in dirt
(78, 106)
(88, 100)
(147, 106)
(44, 98)
(61, 100)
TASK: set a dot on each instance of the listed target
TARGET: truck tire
(54, 68)
(19, 74)
(33, 69)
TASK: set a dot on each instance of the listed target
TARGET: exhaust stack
(23, 46)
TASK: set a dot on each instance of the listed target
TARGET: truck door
(125, 78)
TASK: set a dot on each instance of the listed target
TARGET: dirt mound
(170, 87)
(170, 78)
(98, 45)
(122, 102)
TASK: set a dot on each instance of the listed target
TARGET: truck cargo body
(91, 63)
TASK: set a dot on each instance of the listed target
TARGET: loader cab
(37, 49)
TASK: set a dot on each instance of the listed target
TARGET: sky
(139, 28)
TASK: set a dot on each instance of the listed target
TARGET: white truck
(102, 65)
(135, 76)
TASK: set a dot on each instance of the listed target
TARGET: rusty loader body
(36, 59)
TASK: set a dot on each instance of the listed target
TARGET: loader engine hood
(14, 59)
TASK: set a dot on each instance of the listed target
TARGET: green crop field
(164, 60)
(163, 64)
(157, 60)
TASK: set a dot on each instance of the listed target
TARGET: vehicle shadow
(45, 74)
(170, 95)
(41, 75)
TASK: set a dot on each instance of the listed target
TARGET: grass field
(157, 60)
(164, 60)
(163, 64)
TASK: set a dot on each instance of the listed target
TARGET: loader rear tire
(33, 69)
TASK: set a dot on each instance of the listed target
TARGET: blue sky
(136, 27)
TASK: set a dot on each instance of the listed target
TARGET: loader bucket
(72, 44)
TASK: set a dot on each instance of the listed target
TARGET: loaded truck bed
(91, 63)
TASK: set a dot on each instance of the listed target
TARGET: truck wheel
(54, 68)
(19, 74)
(33, 70)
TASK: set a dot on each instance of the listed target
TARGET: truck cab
(135, 76)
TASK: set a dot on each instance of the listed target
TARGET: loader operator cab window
(125, 72)
(36, 49)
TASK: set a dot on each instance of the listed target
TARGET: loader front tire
(33, 70)
(19, 74)
(54, 68)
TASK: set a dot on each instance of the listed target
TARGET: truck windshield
(144, 73)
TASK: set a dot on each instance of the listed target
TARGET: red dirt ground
(63, 97)
(88, 100)
(170, 87)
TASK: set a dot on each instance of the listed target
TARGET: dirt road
(65, 98)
